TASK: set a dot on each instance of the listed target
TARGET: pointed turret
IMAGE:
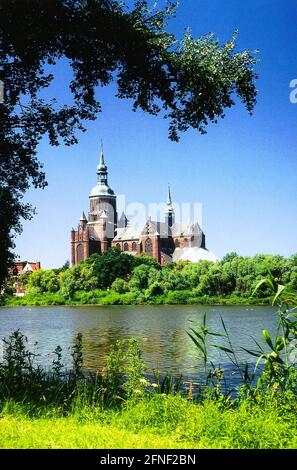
(83, 217)
(101, 165)
(123, 221)
(83, 220)
(169, 211)
(169, 200)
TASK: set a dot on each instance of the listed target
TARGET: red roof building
(21, 267)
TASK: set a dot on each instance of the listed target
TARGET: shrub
(178, 297)
(120, 286)
(112, 298)
(155, 289)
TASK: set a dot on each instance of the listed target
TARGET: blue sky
(243, 171)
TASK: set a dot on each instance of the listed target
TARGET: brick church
(166, 241)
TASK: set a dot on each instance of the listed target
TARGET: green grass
(163, 421)
(68, 433)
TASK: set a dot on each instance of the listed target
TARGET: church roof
(153, 227)
(193, 254)
(101, 189)
(127, 233)
(186, 229)
(162, 229)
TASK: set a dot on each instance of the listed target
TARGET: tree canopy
(140, 279)
(189, 81)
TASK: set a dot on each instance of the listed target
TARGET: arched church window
(126, 247)
(176, 243)
(79, 253)
(134, 246)
(118, 245)
(148, 247)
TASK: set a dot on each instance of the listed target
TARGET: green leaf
(195, 332)
(197, 344)
(204, 320)
(224, 326)
(197, 323)
(252, 353)
(267, 338)
(246, 373)
(259, 360)
(260, 283)
(223, 348)
(280, 289)
(212, 333)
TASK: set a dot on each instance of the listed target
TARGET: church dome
(101, 190)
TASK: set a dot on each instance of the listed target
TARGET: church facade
(166, 241)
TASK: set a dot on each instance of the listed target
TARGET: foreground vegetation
(118, 278)
(163, 421)
(118, 407)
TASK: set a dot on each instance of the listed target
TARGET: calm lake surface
(161, 331)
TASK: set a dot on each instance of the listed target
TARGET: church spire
(101, 159)
(169, 211)
(169, 200)
(102, 186)
(102, 172)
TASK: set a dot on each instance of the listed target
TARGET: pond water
(161, 331)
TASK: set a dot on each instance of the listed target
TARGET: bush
(178, 297)
(43, 280)
(112, 298)
(130, 298)
(120, 286)
(92, 297)
(40, 299)
(140, 277)
(154, 290)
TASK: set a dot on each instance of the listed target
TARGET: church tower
(169, 211)
(95, 233)
(102, 198)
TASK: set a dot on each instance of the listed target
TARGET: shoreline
(17, 302)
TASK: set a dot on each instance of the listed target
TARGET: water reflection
(161, 331)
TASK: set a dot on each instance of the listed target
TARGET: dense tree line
(138, 279)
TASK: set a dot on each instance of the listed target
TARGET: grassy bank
(98, 297)
(163, 421)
